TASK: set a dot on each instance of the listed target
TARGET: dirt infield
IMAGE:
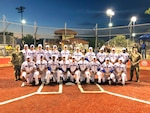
(132, 98)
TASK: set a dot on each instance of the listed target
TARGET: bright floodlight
(110, 24)
(133, 19)
(23, 21)
(133, 34)
(110, 13)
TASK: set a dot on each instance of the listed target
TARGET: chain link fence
(11, 33)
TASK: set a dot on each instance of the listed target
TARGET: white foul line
(58, 92)
(127, 97)
(31, 94)
(82, 90)
(40, 88)
(111, 93)
(16, 99)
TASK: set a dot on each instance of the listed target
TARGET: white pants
(48, 76)
(84, 75)
(61, 74)
(37, 74)
(122, 77)
(103, 77)
(76, 76)
(28, 77)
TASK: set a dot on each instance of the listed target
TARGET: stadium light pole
(110, 13)
(21, 10)
(132, 21)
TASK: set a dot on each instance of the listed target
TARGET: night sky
(76, 13)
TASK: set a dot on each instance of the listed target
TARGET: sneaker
(47, 83)
(109, 82)
(23, 84)
(138, 81)
(36, 84)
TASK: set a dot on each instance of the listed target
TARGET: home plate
(69, 83)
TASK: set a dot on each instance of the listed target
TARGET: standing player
(124, 55)
(101, 55)
(63, 69)
(39, 52)
(47, 53)
(90, 54)
(17, 60)
(26, 51)
(107, 69)
(77, 54)
(41, 70)
(28, 68)
(120, 71)
(55, 52)
(65, 52)
(73, 70)
(113, 56)
(32, 52)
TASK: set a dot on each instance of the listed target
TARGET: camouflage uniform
(135, 58)
(17, 60)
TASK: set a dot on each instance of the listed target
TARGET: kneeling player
(120, 71)
(73, 72)
(107, 72)
(41, 70)
(83, 70)
(52, 70)
(27, 68)
(63, 69)
(94, 69)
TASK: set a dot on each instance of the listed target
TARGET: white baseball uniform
(41, 71)
(84, 70)
(65, 53)
(63, 70)
(113, 57)
(89, 56)
(101, 57)
(73, 71)
(120, 72)
(47, 55)
(39, 53)
(107, 70)
(52, 70)
(55, 53)
(28, 69)
(94, 69)
(77, 55)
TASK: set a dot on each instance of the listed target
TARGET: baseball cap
(101, 48)
(73, 56)
(54, 46)
(26, 45)
(31, 45)
(77, 47)
(94, 57)
(113, 48)
(47, 46)
(107, 58)
(65, 46)
(28, 57)
(121, 59)
(90, 48)
(40, 45)
(123, 48)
